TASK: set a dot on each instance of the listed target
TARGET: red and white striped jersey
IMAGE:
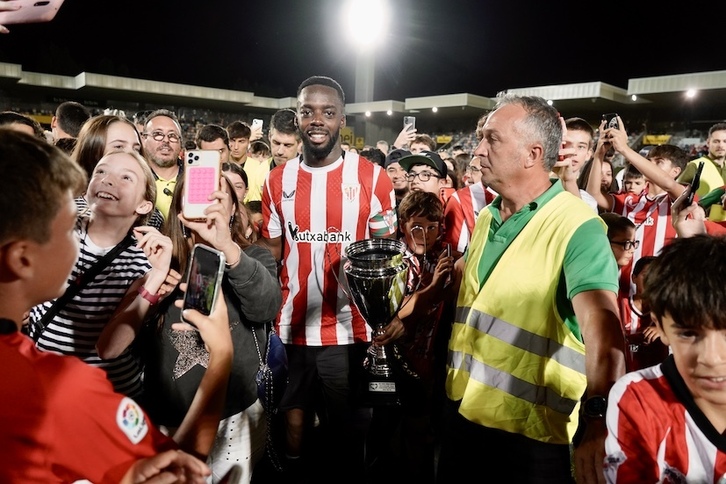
(318, 212)
(652, 219)
(461, 212)
(656, 433)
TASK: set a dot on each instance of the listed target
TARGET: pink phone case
(31, 11)
(201, 178)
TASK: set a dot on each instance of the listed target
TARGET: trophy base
(378, 391)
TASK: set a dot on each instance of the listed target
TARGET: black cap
(424, 158)
(395, 155)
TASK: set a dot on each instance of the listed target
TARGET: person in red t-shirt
(61, 420)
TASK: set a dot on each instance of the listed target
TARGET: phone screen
(203, 279)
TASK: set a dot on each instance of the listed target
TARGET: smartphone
(611, 120)
(201, 178)
(31, 11)
(685, 199)
(204, 278)
(409, 120)
(257, 123)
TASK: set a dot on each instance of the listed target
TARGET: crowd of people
(555, 325)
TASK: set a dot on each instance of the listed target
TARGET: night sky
(433, 46)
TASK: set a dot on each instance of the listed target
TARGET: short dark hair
(716, 127)
(70, 116)
(425, 139)
(616, 223)
(238, 129)
(36, 177)
(579, 124)
(12, 117)
(211, 132)
(322, 81)
(285, 121)
(420, 204)
(642, 263)
(632, 172)
(686, 282)
(676, 155)
(375, 155)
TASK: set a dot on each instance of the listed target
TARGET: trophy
(376, 272)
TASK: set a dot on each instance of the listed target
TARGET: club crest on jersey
(350, 192)
(130, 419)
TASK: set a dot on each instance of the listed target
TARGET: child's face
(700, 356)
(634, 185)
(121, 137)
(118, 187)
(58, 254)
(618, 241)
(580, 141)
(421, 234)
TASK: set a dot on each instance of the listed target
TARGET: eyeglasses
(628, 244)
(424, 176)
(159, 136)
(472, 168)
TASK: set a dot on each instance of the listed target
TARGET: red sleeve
(715, 228)
(96, 432)
(382, 223)
(453, 223)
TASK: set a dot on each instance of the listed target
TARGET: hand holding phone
(30, 11)
(201, 178)
(611, 120)
(685, 199)
(204, 279)
(409, 123)
(257, 124)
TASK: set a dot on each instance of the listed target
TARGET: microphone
(168, 192)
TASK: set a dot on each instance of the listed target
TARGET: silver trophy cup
(376, 271)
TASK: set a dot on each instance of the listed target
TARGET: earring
(231, 221)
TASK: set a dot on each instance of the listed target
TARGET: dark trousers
(471, 449)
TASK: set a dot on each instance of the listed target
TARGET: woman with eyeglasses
(176, 361)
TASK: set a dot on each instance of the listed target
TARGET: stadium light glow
(366, 23)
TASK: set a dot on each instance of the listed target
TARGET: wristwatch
(595, 407)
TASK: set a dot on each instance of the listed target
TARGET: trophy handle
(335, 273)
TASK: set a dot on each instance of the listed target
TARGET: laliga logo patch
(130, 419)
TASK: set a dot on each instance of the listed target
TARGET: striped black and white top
(76, 327)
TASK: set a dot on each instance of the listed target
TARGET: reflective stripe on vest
(513, 362)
